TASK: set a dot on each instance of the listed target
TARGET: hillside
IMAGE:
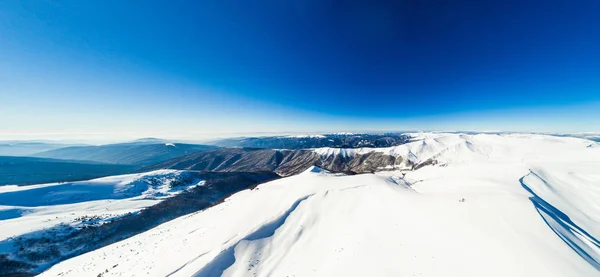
(284, 162)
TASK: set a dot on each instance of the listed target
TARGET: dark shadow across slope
(583, 243)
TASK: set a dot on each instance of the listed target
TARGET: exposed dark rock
(282, 162)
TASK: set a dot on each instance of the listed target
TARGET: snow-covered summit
(451, 147)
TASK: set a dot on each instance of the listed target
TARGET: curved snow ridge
(580, 240)
(419, 151)
(261, 252)
(575, 193)
(227, 257)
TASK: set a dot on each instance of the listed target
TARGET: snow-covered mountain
(456, 205)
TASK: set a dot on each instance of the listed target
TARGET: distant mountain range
(342, 140)
(284, 155)
(27, 148)
(140, 153)
(57, 163)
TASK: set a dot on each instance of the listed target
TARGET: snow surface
(494, 205)
(25, 209)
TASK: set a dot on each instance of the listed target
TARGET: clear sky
(194, 69)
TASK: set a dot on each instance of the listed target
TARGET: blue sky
(195, 69)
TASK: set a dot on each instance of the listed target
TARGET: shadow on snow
(574, 236)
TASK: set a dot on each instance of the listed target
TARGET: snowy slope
(490, 205)
(25, 209)
(426, 146)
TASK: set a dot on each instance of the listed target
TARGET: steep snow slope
(24, 209)
(490, 205)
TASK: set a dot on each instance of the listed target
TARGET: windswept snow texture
(480, 205)
(25, 209)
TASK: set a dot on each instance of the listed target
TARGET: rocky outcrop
(282, 162)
